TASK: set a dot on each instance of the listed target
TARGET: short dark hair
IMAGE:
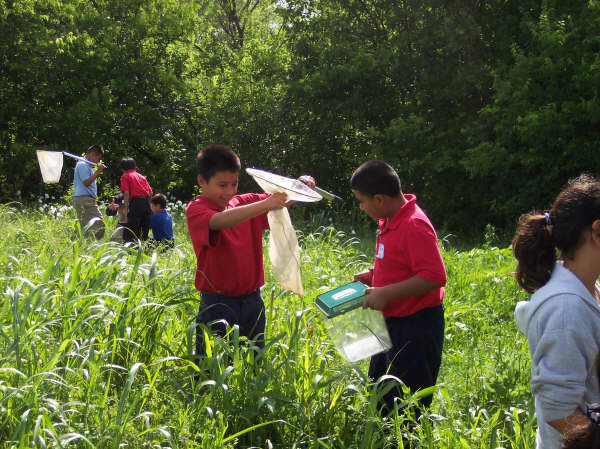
(160, 200)
(216, 158)
(96, 148)
(128, 163)
(376, 177)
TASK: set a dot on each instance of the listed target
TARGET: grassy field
(96, 350)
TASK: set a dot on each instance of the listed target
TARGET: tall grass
(96, 350)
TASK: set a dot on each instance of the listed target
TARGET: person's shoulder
(417, 225)
(81, 165)
(243, 199)
(561, 310)
(198, 205)
(247, 198)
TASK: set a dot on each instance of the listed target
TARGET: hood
(561, 281)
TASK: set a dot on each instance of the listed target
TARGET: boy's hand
(308, 180)
(113, 206)
(276, 201)
(100, 167)
(366, 277)
(377, 299)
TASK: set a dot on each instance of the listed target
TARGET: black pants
(415, 355)
(138, 219)
(248, 312)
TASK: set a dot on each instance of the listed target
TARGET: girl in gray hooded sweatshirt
(558, 254)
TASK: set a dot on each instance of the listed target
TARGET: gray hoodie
(562, 325)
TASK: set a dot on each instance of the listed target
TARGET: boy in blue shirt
(161, 222)
(85, 191)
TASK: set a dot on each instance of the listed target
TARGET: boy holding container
(406, 282)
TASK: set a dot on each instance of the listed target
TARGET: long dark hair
(542, 238)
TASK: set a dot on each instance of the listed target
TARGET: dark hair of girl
(542, 238)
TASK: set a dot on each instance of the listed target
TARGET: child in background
(161, 221)
(136, 196)
(406, 282)
(558, 254)
(117, 206)
(85, 191)
(226, 231)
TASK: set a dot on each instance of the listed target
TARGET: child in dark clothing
(161, 221)
(136, 195)
(117, 206)
(406, 282)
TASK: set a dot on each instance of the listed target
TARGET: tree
(543, 125)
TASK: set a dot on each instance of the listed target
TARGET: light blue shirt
(83, 171)
(562, 324)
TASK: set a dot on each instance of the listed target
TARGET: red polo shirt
(135, 183)
(229, 261)
(407, 245)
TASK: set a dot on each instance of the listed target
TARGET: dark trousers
(138, 219)
(415, 355)
(248, 312)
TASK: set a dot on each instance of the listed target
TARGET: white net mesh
(284, 251)
(51, 163)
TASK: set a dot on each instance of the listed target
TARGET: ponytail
(533, 247)
(542, 238)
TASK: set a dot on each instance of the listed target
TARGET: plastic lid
(271, 183)
(341, 299)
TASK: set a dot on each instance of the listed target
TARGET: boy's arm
(126, 202)
(233, 217)
(379, 297)
(576, 423)
(366, 277)
(88, 181)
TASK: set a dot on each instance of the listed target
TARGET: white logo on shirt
(380, 251)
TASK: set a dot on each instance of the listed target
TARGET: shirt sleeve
(423, 253)
(83, 171)
(198, 225)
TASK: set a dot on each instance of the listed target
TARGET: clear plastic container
(357, 333)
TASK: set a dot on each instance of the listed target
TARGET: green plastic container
(357, 333)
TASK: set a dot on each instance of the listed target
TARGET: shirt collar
(565, 279)
(405, 211)
(208, 203)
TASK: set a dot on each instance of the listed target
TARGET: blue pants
(248, 312)
(415, 355)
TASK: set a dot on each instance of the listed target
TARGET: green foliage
(460, 97)
(96, 350)
(542, 127)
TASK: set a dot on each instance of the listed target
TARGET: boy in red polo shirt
(136, 201)
(406, 281)
(226, 231)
